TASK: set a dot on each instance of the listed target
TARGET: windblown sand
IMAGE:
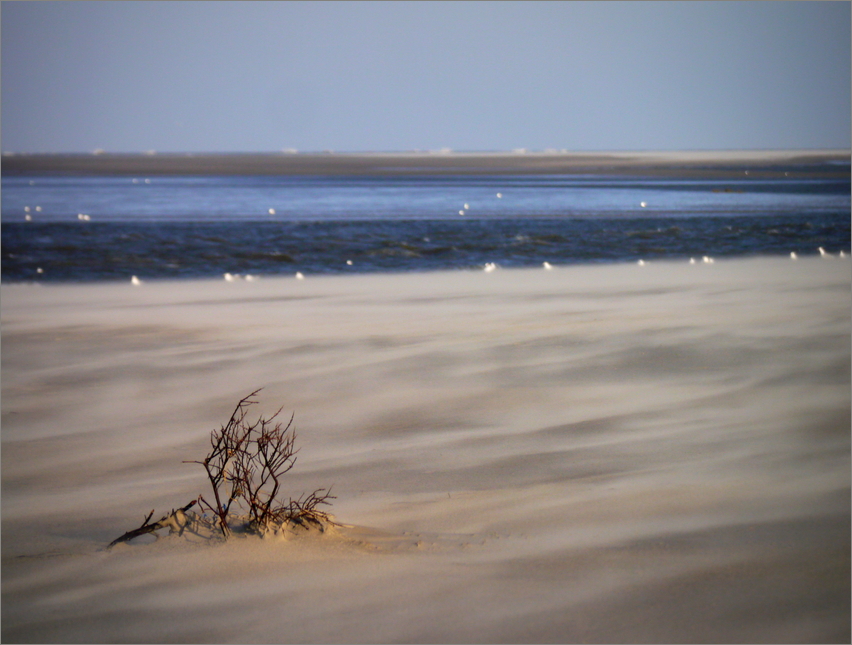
(615, 453)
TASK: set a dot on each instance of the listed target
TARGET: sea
(84, 229)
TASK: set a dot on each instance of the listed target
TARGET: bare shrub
(244, 466)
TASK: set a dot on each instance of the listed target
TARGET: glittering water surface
(69, 228)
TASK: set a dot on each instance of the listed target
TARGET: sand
(719, 164)
(601, 454)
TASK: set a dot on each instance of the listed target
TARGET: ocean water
(83, 229)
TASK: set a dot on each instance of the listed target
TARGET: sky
(399, 76)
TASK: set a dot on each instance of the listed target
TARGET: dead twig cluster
(175, 521)
(244, 466)
(304, 510)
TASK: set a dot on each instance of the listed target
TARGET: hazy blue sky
(353, 76)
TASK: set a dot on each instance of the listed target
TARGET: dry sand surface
(613, 453)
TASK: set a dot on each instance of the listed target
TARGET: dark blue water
(108, 228)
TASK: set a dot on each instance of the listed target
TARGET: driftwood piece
(176, 521)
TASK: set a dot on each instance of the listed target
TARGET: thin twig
(172, 520)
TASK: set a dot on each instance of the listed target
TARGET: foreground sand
(618, 453)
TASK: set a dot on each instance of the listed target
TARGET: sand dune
(615, 453)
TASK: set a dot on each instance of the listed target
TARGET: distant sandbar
(682, 164)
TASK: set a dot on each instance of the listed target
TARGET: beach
(613, 453)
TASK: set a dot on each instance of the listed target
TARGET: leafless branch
(176, 521)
